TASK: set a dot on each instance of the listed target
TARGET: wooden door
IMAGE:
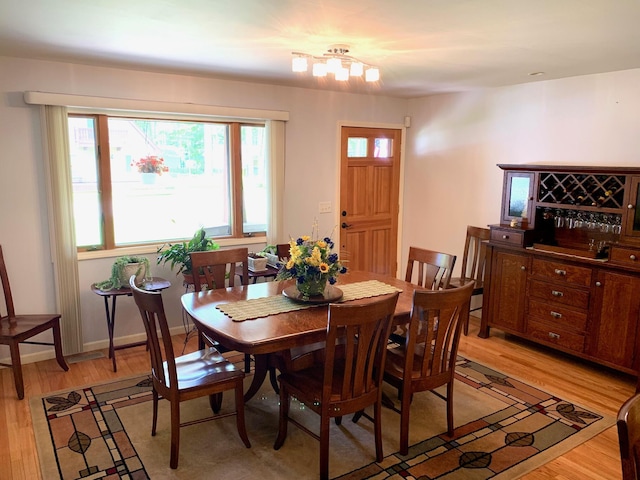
(369, 198)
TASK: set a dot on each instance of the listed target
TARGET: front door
(369, 198)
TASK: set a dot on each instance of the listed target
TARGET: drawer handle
(560, 272)
(554, 336)
(633, 258)
(522, 267)
(556, 315)
(556, 293)
(505, 237)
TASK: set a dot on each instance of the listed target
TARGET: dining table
(264, 319)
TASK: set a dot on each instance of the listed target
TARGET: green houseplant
(122, 269)
(177, 254)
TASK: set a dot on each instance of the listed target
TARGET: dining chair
(434, 268)
(17, 329)
(347, 377)
(427, 359)
(473, 263)
(629, 437)
(186, 377)
(282, 250)
(219, 269)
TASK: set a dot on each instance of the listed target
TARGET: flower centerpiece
(151, 164)
(312, 264)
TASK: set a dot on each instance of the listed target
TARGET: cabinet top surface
(569, 168)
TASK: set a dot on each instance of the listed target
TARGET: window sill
(153, 249)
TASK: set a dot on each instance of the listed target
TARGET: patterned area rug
(505, 428)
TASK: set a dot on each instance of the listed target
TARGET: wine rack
(576, 190)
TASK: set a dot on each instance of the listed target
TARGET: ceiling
(422, 47)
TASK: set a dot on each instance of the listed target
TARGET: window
(138, 180)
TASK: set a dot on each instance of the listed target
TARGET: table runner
(263, 307)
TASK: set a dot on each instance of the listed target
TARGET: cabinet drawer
(559, 293)
(561, 272)
(558, 315)
(625, 256)
(508, 236)
(556, 336)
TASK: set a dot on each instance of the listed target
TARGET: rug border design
(393, 466)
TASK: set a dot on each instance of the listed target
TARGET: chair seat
(459, 282)
(395, 362)
(202, 368)
(20, 324)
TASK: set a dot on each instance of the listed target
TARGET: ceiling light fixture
(337, 62)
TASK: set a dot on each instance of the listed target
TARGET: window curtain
(275, 182)
(61, 225)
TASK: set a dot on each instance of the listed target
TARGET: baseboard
(49, 353)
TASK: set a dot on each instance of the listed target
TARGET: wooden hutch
(563, 266)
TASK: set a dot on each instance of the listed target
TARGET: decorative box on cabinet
(575, 289)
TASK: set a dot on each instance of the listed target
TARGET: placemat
(263, 307)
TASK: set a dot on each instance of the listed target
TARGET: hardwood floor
(592, 386)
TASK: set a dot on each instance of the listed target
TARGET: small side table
(154, 285)
(270, 272)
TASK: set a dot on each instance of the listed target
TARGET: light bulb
(342, 74)
(356, 69)
(333, 65)
(372, 74)
(319, 69)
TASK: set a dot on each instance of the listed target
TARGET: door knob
(345, 225)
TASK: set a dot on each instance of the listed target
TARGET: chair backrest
(8, 299)
(160, 344)
(475, 253)
(433, 336)
(434, 268)
(219, 266)
(356, 345)
(282, 250)
(629, 437)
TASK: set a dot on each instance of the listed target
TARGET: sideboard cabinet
(563, 266)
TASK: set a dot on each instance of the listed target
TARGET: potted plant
(122, 269)
(177, 254)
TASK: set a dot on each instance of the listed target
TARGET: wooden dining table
(269, 334)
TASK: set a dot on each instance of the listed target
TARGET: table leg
(259, 375)
(110, 327)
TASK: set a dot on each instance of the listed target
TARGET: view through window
(138, 180)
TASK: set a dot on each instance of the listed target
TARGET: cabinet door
(631, 228)
(517, 201)
(616, 313)
(508, 288)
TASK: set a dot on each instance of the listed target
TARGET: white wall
(456, 141)
(311, 168)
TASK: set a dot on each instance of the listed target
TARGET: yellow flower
(324, 268)
(306, 238)
(322, 244)
(290, 264)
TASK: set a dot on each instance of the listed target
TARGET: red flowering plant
(151, 164)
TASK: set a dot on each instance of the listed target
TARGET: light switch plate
(324, 207)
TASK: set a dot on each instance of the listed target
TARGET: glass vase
(312, 287)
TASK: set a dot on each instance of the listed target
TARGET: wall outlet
(324, 207)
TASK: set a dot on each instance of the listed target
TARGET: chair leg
(57, 342)
(284, 418)
(154, 422)
(325, 423)
(450, 408)
(215, 401)
(377, 425)
(175, 433)
(242, 430)
(338, 420)
(16, 366)
(405, 409)
(247, 363)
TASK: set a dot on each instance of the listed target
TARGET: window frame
(104, 175)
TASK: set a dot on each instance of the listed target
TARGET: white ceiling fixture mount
(336, 61)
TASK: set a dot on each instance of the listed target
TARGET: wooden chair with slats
(473, 263)
(628, 424)
(427, 358)
(218, 269)
(434, 268)
(178, 379)
(19, 328)
(348, 376)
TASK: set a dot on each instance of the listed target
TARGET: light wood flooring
(585, 383)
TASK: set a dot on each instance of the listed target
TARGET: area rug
(504, 429)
